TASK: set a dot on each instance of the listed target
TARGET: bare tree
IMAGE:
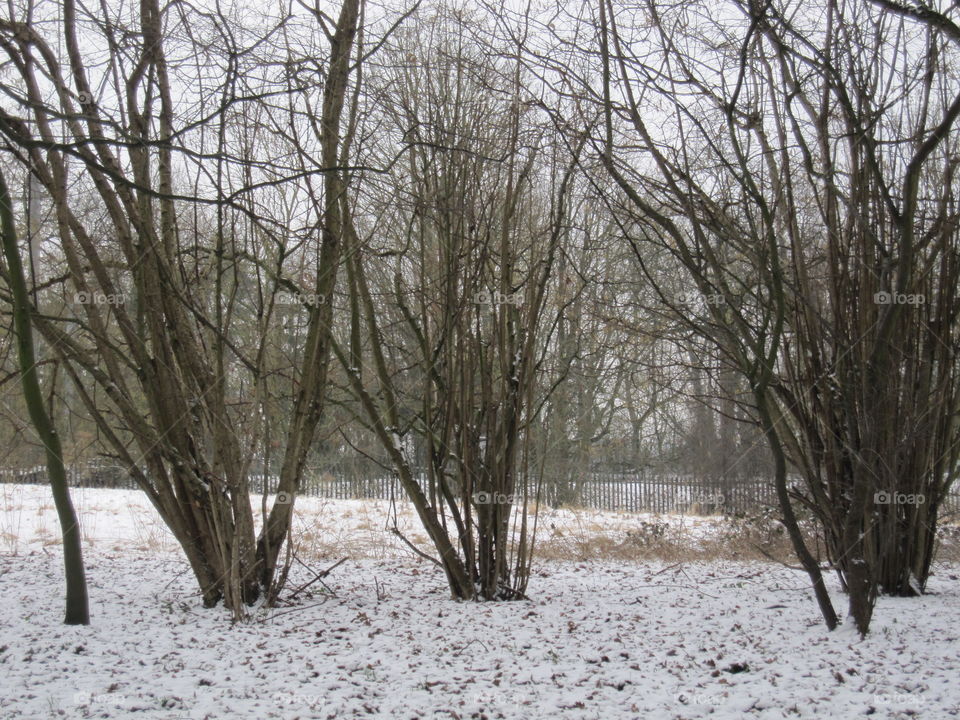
(799, 173)
(152, 341)
(449, 292)
(77, 607)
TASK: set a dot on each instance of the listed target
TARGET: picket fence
(614, 491)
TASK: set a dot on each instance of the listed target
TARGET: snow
(123, 519)
(630, 638)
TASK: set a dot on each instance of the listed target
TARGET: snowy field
(679, 626)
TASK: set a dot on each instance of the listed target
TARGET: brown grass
(656, 539)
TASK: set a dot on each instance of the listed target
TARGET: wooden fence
(620, 491)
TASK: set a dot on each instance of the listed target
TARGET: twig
(275, 615)
(174, 578)
(396, 531)
(475, 640)
(688, 587)
(827, 567)
(669, 567)
(319, 576)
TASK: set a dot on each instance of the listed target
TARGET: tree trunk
(77, 610)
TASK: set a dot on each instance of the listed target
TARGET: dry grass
(948, 545)
(333, 531)
(327, 530)
(671, 538)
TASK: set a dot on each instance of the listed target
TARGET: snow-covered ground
(124, 520)
(638, 637)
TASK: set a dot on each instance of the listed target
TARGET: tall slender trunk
(77, 611)
(789, 518)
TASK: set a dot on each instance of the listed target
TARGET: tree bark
(77, 604)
